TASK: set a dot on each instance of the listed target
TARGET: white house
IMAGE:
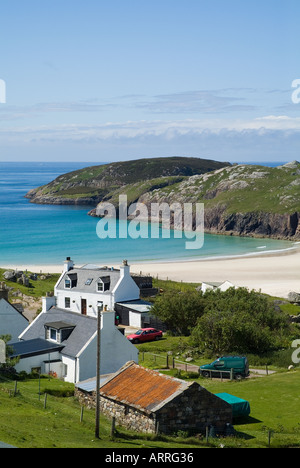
(65, 343)
(222, 286)
(12, 321)
(89, 288)
(63, 338)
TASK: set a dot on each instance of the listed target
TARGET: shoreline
(275, 273)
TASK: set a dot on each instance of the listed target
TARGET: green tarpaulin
(239, 407)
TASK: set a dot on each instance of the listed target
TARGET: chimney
(48, 302)
(3, 291)
(68, 264)
(124, 269)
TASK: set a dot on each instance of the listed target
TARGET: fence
(169, 362)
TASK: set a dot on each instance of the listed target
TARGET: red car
(145, 334)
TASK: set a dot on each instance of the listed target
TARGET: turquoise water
(45, 234)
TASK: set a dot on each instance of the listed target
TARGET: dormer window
(71, 281)
(103, 284)
(58, 331)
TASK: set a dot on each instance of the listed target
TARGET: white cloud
(168, 129)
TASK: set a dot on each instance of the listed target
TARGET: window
(103, 284)
(53, 334)
(219, 363)
(67, 302)
(89, 281)
(71, 280)
(65, 370)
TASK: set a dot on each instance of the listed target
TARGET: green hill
(91, 185)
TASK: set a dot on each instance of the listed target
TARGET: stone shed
(146, 401)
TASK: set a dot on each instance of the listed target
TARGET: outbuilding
(147, 401)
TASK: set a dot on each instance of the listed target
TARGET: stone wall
(194, 410)
(125, 415)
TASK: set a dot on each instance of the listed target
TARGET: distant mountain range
(243, 200)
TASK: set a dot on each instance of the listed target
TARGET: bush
(60, 392)
(240, 321)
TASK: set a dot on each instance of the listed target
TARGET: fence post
(270, 433)
(231, 374)
(45, 401)
(81, 414)
(113, 426)
(157, 427)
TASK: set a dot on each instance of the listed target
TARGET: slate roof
(85, 279)
(144, 389)
(84, 329)
(34, 347)
(139, 305)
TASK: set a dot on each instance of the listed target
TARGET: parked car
(223, 365)
(145, 334)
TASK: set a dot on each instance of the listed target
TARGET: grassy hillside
(95, 183)
(241, 199)
(241, 188)
(26, 423)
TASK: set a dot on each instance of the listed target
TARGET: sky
(103, 81)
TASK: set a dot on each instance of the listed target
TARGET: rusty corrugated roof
(142, 388)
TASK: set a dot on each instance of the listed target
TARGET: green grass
(275, 405)
(25, 423)
(36, 289)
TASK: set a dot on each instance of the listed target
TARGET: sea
(33, 234)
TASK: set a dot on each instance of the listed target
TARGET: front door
(83, 306)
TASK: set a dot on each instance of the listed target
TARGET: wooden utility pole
(97, 425)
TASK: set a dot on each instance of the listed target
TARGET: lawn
(37, 288)
(26, 423)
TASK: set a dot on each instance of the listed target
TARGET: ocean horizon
(33, 234)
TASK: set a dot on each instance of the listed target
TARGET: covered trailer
(239, 406)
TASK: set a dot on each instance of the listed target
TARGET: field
(25, 422)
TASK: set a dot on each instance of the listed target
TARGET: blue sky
(116, 80)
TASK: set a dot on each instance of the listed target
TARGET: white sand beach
(276, 274)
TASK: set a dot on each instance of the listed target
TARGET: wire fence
(161, 361)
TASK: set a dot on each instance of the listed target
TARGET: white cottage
(64, 343)
(87, 289)
(213, 286)
(63, 339)
(12, 321)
